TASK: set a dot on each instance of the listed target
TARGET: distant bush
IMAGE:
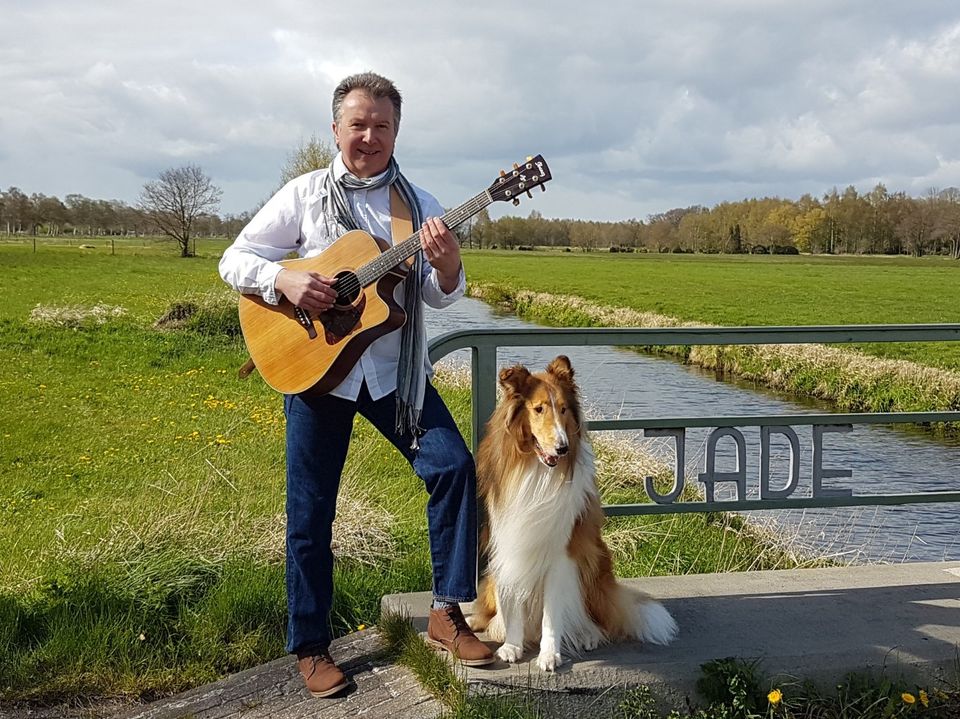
(212, 314)
(784, 250)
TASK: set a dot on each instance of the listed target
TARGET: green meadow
(142, 490)
(744, 290)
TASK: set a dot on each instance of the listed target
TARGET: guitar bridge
(304, 319)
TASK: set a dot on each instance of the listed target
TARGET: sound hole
(347, 287)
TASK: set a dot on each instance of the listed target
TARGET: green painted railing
(483, 344)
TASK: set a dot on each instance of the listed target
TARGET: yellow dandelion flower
(361, 627)
(775, 697)
(908, 698)
(924, 699)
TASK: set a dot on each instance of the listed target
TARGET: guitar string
(352, 283)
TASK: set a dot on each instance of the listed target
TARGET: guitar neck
(375, 269)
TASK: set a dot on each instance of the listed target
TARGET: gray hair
(374, 85)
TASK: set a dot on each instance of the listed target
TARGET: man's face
(366, 133)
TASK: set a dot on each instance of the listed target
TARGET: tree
(18, 211)
(480, 229)
(176, 199)
(314, 155)
(51, 213)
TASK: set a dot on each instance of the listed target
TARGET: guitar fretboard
(375, 269)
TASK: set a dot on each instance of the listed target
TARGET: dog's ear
(512, 379)
(561, 369)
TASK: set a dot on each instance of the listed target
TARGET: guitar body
(294, 351)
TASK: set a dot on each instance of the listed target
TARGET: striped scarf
(411, 378)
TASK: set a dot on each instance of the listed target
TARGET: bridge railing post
(484, 383)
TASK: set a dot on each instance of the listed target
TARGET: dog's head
(542, 409)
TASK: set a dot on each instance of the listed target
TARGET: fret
(375, 269)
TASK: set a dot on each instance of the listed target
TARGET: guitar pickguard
(339, 322)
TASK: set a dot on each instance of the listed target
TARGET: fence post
(484, 383)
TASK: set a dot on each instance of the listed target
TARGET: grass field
(742, 290)
(141, 498)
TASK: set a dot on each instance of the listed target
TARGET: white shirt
(293, 221)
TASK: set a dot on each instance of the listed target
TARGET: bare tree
(176, 199)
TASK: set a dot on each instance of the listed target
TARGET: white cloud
(638, 107)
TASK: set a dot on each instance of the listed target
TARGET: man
(388, 385)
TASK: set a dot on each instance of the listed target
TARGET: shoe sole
(329, 692)
(466, 662)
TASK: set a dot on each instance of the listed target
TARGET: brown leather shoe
(322, 677)
(447, 629)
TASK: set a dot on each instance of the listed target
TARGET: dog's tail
(647, 619)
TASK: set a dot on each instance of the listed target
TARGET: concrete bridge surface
(810, 623)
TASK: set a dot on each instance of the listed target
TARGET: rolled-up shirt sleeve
(251, 264)
(433, 295)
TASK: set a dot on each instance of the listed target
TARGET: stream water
(618, 383)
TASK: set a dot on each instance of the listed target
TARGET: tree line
(182, 204)
(75, 214)
(878, 222)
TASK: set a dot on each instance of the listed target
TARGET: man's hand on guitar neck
(442, 251)
(309, 290)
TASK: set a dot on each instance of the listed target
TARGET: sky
(638, 107)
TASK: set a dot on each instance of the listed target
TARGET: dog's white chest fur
(530, 529)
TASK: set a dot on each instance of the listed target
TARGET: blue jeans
(318, 436)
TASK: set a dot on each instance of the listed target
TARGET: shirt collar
(340, 168)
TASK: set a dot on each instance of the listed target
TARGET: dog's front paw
(510, 653)
(549, 660)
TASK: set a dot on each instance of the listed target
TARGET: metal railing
(483, 344)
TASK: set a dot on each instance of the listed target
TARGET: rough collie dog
(549, 575)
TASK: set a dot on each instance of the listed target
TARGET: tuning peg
(543, 187)
(529, 158)
(516, 200)
(502, 173)
(529, 194)
(516, 166)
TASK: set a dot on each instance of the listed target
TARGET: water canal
(619, 383)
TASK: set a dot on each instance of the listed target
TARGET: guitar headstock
(523, 178)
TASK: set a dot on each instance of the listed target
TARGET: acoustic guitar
(295, 350)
